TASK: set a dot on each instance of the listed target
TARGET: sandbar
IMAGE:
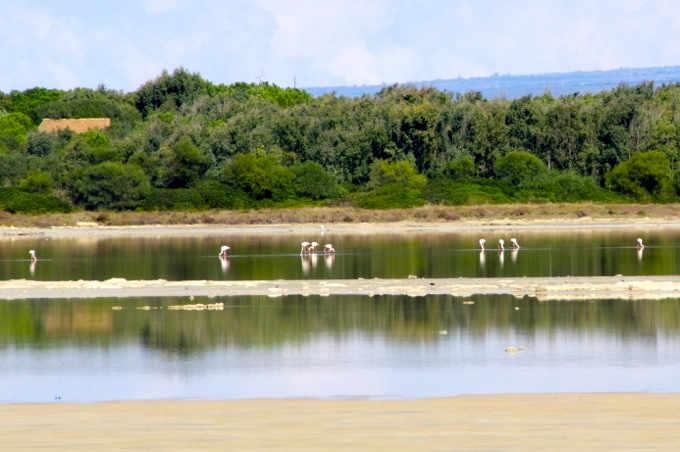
(542, 288)
(495, 422)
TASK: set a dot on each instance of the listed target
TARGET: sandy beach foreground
(501, 422)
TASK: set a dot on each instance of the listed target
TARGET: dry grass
(328, 215)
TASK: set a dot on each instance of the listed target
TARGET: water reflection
(336, 346)
(445, 255)
(224, 263)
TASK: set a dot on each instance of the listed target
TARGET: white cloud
(123, 43)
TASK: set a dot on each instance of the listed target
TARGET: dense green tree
(401, 173)
(519, 167)
(260, 176)
(28, 101)
(644, 174)
(109, 185)
(37, 181)
(183, 164)
(462, 168)
(14, 129)
(311, 180)
(170, 91)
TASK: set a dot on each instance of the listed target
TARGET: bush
(455, 193)
(221, 196)
(109, 185)
(311, 180)
(518, 167)
(460, 169)
(643, 175)
(14, 200)
(390, 196)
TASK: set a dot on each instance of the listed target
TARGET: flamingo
(312, 246)
(501, 244)
(481, 243)
(640, 245)
(33, 256)
(305, 248)
(515, 245)
(328, 248)
(223, 251)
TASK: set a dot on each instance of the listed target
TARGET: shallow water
(333, 347)
(434, 255)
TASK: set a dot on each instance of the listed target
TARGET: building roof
(76, 125)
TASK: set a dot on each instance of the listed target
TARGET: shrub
(14, 200)
(449, 192)
(391, 196)
(644, 174)
(109, 185)
(517, 167)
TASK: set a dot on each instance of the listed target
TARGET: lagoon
(582, 252)
(381, 347)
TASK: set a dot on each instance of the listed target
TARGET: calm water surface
(333, 347)
(575, 253)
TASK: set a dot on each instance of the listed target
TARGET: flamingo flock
(311, 248)
(501, 244)
(307, 248)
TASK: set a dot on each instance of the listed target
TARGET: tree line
(180, 142)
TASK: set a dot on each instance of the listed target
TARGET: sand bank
(512, 422)
(93, 230)
(571, 288)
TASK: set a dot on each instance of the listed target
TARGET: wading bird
(481, 243)
(223, 251)
(312, 247)
(304, 248)
(501, 244)
(515, 245)
(33, 256)
(328, 248)
(639, 244)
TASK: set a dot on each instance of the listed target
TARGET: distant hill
(514, 86)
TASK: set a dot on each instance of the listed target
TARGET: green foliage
(311, 180)
(449, 192)
(462, 168)
(14, 200)
(518, 167)
(14, 128)
(170, 91)
(186, 133)
(37, 182)
(217, 195)
(42, 144)
(287, 97)
(402, 172)
(28, 101)
(91, 148)
(260, 176)
(183, 164)
(390, 196)
(644, 174)
(13, 167)
(109, 185)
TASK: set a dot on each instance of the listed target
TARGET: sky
(123, 44)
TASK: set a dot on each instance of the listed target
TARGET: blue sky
(310, 43)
